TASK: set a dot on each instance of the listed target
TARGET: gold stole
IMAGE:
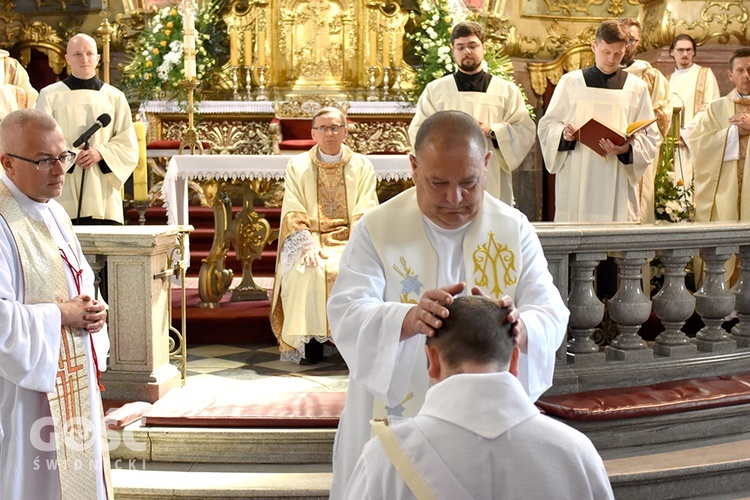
(45, 282)
(700, 91)
(741, 105)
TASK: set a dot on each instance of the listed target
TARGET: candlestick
(372, 95)
(234, 49)
(399, 93)
(386, 82)
(248, 39)
(248, 82)
(140, 174)
(235, 84)
(261, 83)
(373, 54)
(261, 48)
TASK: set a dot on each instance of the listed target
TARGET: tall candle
(398, 55)
(386, 49)
(140, 174)
(373, 54)
(188, 38)
(248, 48)
(261, 48)
(234, 49)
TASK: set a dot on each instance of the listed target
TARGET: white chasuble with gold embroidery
(321, 203)
(721, 191)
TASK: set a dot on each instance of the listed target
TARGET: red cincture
(77, 278)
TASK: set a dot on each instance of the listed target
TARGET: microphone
(102, 121)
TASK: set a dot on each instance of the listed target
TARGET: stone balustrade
(573, 253)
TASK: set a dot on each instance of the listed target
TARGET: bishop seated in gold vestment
(327, 190)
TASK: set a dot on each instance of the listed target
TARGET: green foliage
(157, 68)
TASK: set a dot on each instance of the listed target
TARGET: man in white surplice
(53, 334)
(409, 257)
(589, 187)
(694, 87)
(76, 103)
(477, 428)
(494, 102)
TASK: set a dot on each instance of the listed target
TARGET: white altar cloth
(203, 167)
(267, 107)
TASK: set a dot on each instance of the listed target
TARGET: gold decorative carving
(580, 10)
(22, 36)
(226, 136)
(380, 137)
(706, 21)
(306, 106)
(574, 58)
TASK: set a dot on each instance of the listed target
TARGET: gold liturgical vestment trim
(44, 282)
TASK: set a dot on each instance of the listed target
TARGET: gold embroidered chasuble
(491, 260)
(325, 199)
(45, 282)
(720, 191)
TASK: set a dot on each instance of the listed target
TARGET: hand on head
(520, 334)
(426, 316)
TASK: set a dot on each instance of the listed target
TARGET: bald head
(450, 127)
(13, 126)
(82, 56)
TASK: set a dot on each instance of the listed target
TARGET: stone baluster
(674, 304)
(713, 301)
(629, 308)
(741, 331)
(586, 310)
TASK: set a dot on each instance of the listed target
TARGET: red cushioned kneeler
(656, 399)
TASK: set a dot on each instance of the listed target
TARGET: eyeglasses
(632, 41)
(472, 47)
(334, 129)
(66, 159)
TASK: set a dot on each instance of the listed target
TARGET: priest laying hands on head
(408, 258)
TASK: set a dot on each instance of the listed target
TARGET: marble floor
(257, 366)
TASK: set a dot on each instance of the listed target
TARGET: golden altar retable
(249, 231)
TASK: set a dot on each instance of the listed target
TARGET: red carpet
(230, 323)
(229, 407)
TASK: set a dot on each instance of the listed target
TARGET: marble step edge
(223, 445)
(134, 484)
(703, 471)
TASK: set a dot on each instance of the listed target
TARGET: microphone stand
(80, 190)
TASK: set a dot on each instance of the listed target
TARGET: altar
(248, 232)
(251, 127)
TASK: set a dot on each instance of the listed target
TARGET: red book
(594, 131)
